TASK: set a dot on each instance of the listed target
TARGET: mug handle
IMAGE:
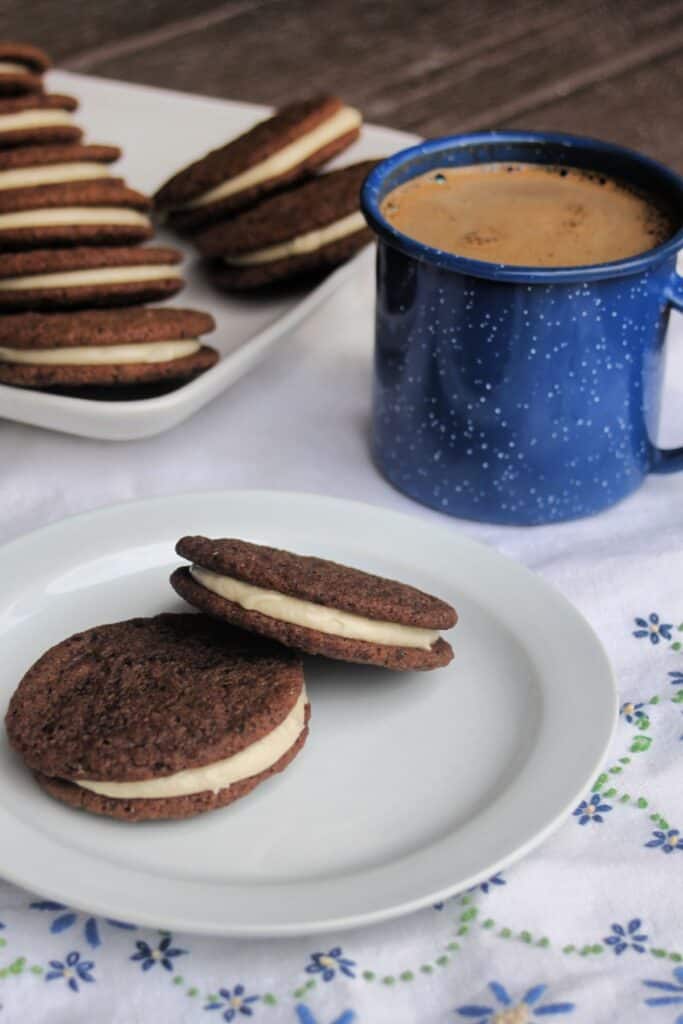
(670, 460)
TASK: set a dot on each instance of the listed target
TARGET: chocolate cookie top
(150, 697)
(238, 155)
(23, 53)
(38, 156)
(279, 218)
(83, 257)
(44, 101)
(102, 327)
(319, 581)
(100, 192)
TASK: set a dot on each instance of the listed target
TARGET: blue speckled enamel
(515, 395)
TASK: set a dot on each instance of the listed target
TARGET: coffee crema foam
(530, 215)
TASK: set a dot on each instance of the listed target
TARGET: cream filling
(73, 215)
(10, 67)
(346, 119)
(52, 174)
(41, 118)
(96, 276)
(313, 616)
(253, 760)
(102, 355)
(302, 244)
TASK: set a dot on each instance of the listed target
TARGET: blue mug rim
(371, 197)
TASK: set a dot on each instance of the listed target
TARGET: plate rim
(224, 928)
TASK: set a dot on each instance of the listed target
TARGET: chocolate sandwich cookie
(315, 605)
(104, 347)
(104, 212)
(36, 119)
(26, 166)
(312, 227)
(298, 139)
(87, 276)
(21, 68)
(164, 717)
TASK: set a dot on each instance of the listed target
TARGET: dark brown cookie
(21, 68)
(32, 217)
(291, 124)
(102, 327)
(184, 368)
(47, 279)
(310, 208)
(165, 809)
(26, 166)
(244, 279)
(21, 123)
(400, 659)
(145, 699)
(320, 582)
(51, 332)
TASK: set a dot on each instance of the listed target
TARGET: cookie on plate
(37, 118)
(104, 347)
(315, 605)
(26, 166)
(298, 139)
(104, 212)
(53, 279)
(312, 227)
(163, 717)
(21, 68)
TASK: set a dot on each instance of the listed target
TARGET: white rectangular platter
(161, 131)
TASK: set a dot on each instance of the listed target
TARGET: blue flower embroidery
(161, 955)
(667, 841)
(592, 810)
(305, 1016)
(676, 678)
(328, 963)
(626, 938)
(496, 879)
(632, 712)
(72, 971)
(63, 921)
(525, 1010)
(675, 993)
(653, 628)
(232, 1002)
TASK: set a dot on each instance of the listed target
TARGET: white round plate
(411, 787)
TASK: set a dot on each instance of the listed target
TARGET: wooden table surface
(611, 68)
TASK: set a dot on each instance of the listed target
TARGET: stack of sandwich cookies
(315, 605)
(87, 276)
(101, 212)
(38, 118)
(21, 68)
(70, 234)
(297, 140)
(312, 227)
(26, 166)
(164, 717)
(104, 347)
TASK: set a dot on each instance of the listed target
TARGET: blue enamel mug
(511, 394)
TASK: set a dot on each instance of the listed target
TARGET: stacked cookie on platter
(71, 235)
(173, 715)
(257, 210)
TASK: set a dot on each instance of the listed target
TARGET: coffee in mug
(531, 215)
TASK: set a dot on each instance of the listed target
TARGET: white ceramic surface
(411, 786)
(161, 131)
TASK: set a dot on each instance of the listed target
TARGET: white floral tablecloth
(588, 929)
